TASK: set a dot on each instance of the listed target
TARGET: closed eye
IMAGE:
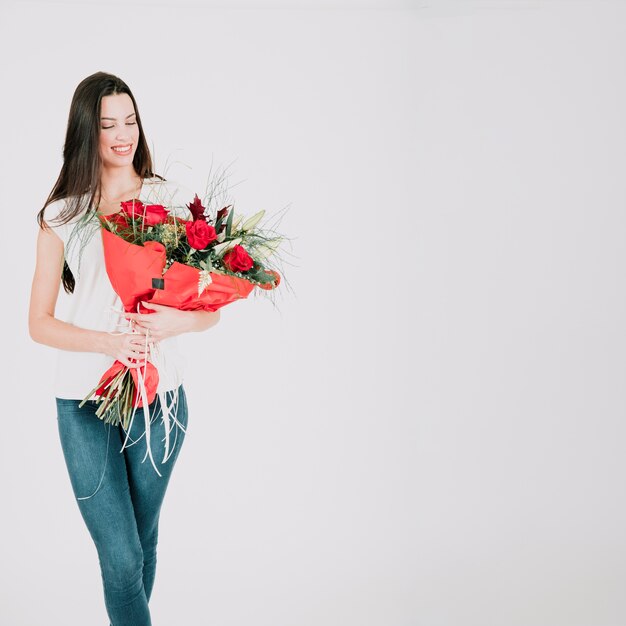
(127, 124)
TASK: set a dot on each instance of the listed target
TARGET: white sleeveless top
(93, 303)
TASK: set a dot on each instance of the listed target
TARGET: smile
(122, 150)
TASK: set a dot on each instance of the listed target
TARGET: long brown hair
(79, 179)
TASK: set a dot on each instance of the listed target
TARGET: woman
(106, 161)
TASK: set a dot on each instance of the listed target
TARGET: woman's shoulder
(59, 210)
(53, 209)
(55, 212)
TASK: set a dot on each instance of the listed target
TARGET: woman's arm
(46, 329)
(168, 321)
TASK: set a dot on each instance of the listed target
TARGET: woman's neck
(120, 184)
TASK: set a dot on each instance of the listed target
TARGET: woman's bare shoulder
(52, 217)
(53, 210)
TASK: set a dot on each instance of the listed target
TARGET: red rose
(155, 214)
(200, 234)
(238, 260)
(132, 208)
(151, 213)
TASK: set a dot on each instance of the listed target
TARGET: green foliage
(172, 235)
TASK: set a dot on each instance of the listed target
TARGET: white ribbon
(168, 410)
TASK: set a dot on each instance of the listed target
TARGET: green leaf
(263, 277)
(206, 264)
(229, 222)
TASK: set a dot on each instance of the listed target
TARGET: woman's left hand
(167, 321)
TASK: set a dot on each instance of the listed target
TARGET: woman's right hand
(128, 348)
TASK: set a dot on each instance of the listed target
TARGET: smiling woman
(119, 135)
(106, 161)
(109, 129)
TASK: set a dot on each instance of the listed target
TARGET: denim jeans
(120, 497)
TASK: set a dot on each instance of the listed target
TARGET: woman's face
(118, 129)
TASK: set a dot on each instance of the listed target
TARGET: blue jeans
(120, 497)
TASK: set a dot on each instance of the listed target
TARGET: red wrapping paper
(131, 269)
(149, 373)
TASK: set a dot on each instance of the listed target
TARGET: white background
(429, 431)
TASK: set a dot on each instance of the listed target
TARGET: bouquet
(200, 261)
